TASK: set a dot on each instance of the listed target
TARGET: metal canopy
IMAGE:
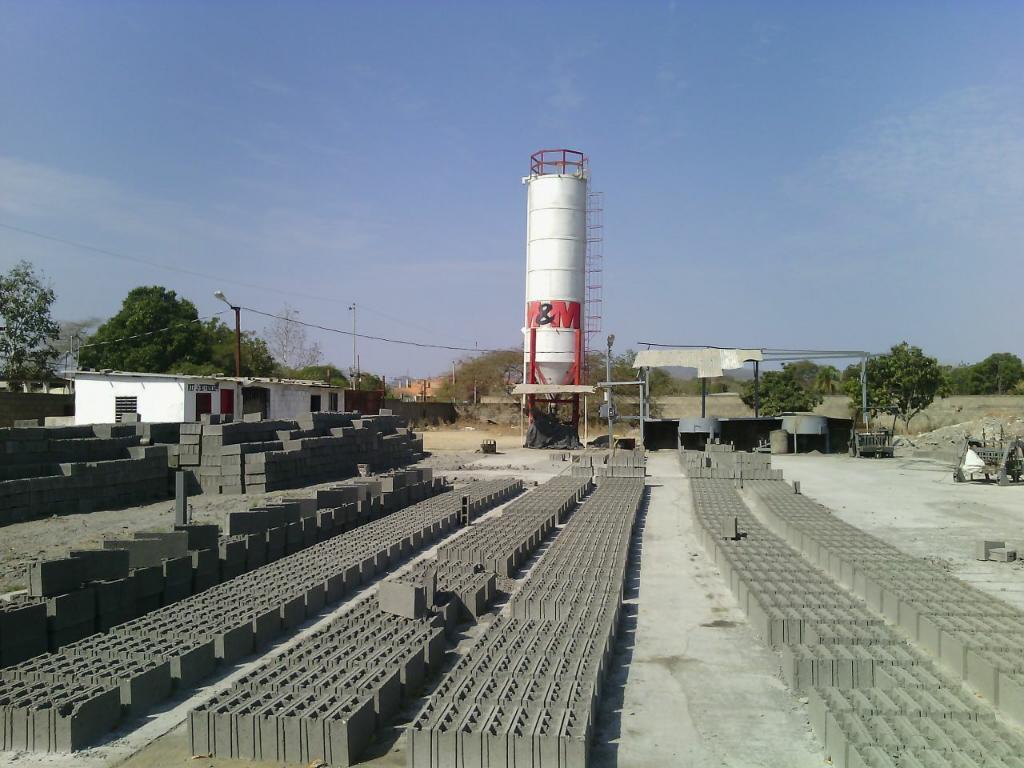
(710, 362)
(552, 389)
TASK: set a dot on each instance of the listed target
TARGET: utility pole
(757, 389)
(355, 360)
(864, 389)
(238, 331)
(608, 392)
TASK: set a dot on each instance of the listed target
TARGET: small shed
(105, 396)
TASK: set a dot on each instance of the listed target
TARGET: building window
(314, 403)
(123, 405)
(332, 400)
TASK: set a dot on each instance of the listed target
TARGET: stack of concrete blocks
(222, 447)
(329, 447)
(503, 544)
(718, 461)
(623, 464)
(94, 590)
(462, 592)
(67, 470)
(184, 642)
(526, 693)
(260, 456)
(841, 604)
(987, 549)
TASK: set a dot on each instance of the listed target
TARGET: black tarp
(548, 432)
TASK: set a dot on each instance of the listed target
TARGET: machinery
(556, 251)
(872, 444)
(1002, 457)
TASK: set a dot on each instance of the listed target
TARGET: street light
(238, 331)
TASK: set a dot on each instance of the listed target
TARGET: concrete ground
(913, 504)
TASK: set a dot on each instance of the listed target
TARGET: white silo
(556, 251)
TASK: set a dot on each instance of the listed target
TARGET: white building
(102, 396)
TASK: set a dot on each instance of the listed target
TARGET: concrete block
(984, 547)
(54, 577)
(200, 536)
(102, 564)
(403, 598)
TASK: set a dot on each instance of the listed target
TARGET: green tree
(959, 379)
(256, 357)
(369, 381)
(804, 372)
(784, 391)
(27, 340)
(826, 380)
(326, 372)
(902, 383)
(997, 374)
(488, 373)
(155, 331)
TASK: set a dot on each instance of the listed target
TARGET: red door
(204, 404)
(227, 401)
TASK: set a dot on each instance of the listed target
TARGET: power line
(256, 286)
(422, 345)
(196, 273)
(151, 333)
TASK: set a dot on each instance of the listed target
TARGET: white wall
(290, 401)
(159, 398)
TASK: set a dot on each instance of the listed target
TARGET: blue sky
(775, 174)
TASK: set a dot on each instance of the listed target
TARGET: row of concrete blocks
(85, 487)
(257, 472)
(278, 471)
(53, 453)
(875, 674)
(633, 458)
(93, 591)
(725, 473)
(502, 544)
(226, 645)
(976, 636)
(230, 621)
(49, 623)
(323, 699)
(620, 471)
(525, 692)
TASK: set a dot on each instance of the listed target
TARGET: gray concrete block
(54, 577)
(102, 564)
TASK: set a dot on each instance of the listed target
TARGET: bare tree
(289, 343)
(73, 333)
